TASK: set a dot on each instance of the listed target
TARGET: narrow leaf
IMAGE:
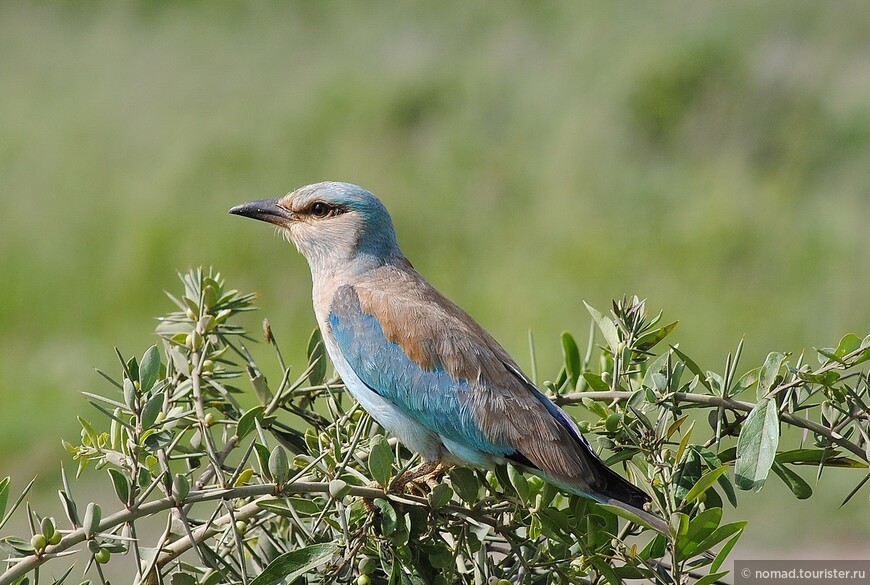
(706, 482)
(246, 422)
(724, 552)
(769, 371)
(800, 488)
(518, 480)
(649, 340)
(693, 367)
(606, 325)
(149, 369)
(121, 485)
(317, 358)
(571, 355)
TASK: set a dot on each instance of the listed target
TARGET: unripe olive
(209, 419)
(368, 565)
(363, 580)
(241, 526)
(38, 541)
(102, 556)
(55, 538)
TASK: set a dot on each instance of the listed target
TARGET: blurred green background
(711, 157)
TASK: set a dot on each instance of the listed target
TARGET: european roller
(423, 368)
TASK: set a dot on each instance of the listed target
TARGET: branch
(709, 400)
(172, 551)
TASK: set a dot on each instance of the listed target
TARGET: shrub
(304, 487)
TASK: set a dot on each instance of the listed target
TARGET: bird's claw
(420, 479)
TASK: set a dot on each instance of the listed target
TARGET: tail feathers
(652, 520)
(612, 485)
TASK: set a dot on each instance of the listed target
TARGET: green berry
(363, 580)
(209, 419)
(368, 565)
(38, 541)
(102, 556)
(55, 538)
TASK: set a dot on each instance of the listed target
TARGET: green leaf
(389, 519)
(700, 527)
(4, 495)
(91, 522)
(69, 507)
(440, 496)
(263, 459)
(769, 371)
(316, 358)
(655, 368)
(129, 394)
(800, 488)
(816, 456)
(649, 340)
(720, 534)
(291, 565)
(711, 578)
(151, 409)
(828, 378)
(571, 354)
(465, 483)
(149, 369)
(121, 485)
(688, 473)
(180, 487)
(756, 446)
(381, 461)
(746, 381)
(606, 325)
(518, 480)
(291, 506)
(279, 466)
(595, 382)
(605, 569)
(247, 421)
(694, 368)
(182, 579)
(849, 343)
(724, 552)
(706, 482)
(678, 524)
(655, 549)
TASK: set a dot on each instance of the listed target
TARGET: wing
(418, 350)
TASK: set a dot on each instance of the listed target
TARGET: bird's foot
(418, 479)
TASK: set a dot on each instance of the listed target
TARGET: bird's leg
(428, 473)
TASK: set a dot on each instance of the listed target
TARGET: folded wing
(436, 364)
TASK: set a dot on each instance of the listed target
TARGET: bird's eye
(320, 209)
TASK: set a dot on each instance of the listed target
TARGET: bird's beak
(265, 210)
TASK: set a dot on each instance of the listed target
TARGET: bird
(421, 366)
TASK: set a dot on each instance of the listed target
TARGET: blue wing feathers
(431, 396)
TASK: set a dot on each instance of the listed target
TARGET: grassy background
(711, 157)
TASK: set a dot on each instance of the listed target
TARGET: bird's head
(332, 224)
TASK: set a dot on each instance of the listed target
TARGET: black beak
(265, 210)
